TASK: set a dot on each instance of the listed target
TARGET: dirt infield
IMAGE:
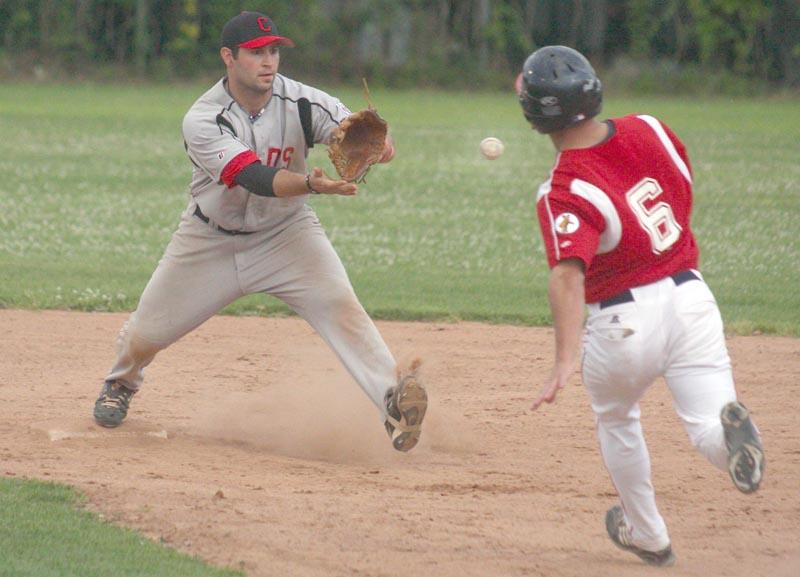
(250, 447)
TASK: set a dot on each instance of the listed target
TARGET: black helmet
(559, 89)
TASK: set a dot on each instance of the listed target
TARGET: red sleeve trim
(235, 166)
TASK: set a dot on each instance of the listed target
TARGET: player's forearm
(287, 183)
(567, 300)
(278, 182)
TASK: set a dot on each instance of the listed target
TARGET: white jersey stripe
(668, 145)
(611, 236)
(552, 225)
(547, 184)
(544, 189)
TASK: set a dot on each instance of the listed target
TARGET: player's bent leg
(195, 278)
(343, 324)
(698, 400)
(314, 283)
(699, 373)
(701, 382)
(335, 313)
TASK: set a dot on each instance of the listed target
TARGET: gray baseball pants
(204, 269)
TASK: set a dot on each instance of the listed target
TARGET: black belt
(626, 296)
(199, 214)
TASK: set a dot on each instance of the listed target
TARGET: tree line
(406, 42)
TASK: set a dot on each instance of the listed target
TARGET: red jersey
(622, 207)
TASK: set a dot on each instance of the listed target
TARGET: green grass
(95, 177)
(44, 532)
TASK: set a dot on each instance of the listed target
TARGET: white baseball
(492, 147)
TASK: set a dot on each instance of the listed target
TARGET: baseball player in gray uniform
(247, 229)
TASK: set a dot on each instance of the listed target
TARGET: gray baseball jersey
(217, 130)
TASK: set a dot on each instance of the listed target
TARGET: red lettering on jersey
(263, 23)
(273, 156)
(276, 155)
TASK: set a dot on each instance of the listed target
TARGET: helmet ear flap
(527, 105)
(532, 112)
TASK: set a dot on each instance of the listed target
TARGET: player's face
(255, 68)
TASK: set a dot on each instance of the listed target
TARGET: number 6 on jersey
(658, 221)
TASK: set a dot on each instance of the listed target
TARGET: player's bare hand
(558, 379)
(323, 184)
(388, 150)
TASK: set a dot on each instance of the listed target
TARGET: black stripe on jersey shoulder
(222, 121)
(317, 104)
(306, 121)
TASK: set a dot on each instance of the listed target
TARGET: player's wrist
(310, 186)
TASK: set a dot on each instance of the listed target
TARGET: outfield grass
(44, 532)
(95, 177)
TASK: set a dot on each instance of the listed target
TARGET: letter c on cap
(263, 23)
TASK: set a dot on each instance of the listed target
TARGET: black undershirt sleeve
(257, 178)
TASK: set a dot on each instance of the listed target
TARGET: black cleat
(745, 452)
(111, 407)
(621, 536)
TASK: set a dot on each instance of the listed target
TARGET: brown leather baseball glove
(357, 144)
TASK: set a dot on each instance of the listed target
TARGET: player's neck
(252, 101)
(584, 135)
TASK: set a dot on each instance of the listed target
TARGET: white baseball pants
(204, 269)
(670, 331)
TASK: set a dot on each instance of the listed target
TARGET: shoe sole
(108, 424)
(412, 402)
(650, 557)
(746, 460)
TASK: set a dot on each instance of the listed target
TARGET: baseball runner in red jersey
(248, 229)
(615, 218)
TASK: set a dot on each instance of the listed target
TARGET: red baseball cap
(252, 30)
